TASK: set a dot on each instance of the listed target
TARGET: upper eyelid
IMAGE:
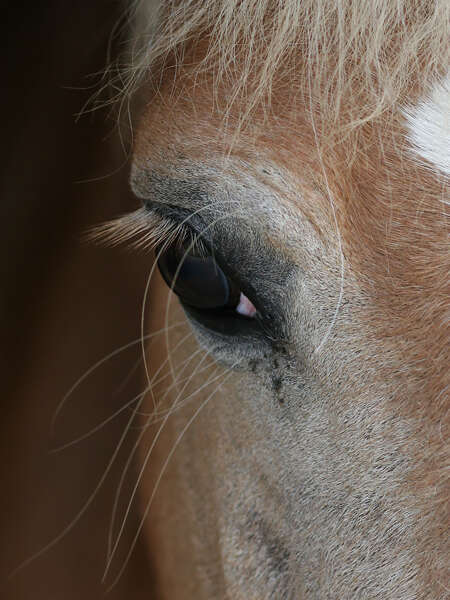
(182, 232)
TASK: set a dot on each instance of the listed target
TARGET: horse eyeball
(199, 281)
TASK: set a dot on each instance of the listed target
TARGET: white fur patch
(429, 126)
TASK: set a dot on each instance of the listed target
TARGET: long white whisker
(144, 301)
(98, 364)
(108, 419)
(158, 415)
(111, 417)
(336, 224)
(188, 249)
(173, 384)
(127, 378)
(146, 367)
(99, 426)
(128, 462)
(88, 502)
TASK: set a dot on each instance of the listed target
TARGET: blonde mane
(356, 58)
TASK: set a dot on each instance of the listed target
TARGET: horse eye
(197, 280)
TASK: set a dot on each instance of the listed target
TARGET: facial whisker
(141, 472)
(132, 452)
(98, 364)
(163, 470)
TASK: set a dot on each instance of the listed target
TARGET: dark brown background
(64, 303)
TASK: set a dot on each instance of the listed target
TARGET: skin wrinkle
(348, 469)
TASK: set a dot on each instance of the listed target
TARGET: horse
(292, 159)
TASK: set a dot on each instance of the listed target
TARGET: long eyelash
(143, 229)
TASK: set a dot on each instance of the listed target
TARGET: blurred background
(65, 304)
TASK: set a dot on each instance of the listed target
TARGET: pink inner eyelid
(245, 307)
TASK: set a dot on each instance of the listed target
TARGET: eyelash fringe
(144, 230)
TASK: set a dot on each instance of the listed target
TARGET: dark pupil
(197, 280)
